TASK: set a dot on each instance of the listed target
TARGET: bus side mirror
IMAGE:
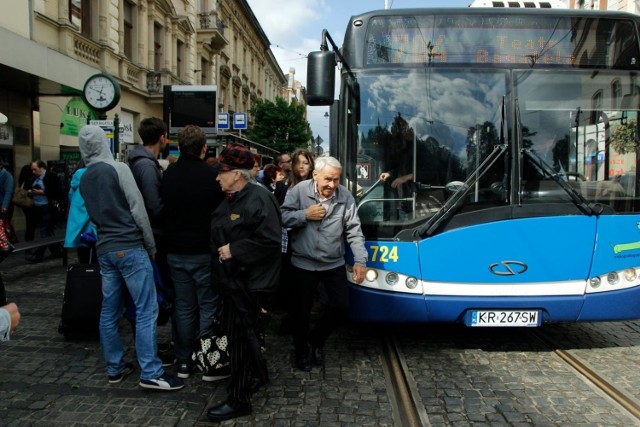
(321, 78)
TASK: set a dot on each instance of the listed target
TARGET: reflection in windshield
(425, 132)
(580, 125)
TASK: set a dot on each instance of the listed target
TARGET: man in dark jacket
(245, 241)
(190, 194)
(45, 190)
(147, 172)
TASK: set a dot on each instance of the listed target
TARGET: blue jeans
(130, 268)
(196, 301)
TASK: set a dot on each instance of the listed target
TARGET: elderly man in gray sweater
(321, 215)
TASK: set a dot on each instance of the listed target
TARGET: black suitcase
(82, 302)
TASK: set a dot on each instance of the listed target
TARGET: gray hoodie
(111, 195)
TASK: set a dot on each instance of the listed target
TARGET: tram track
(408, 408)
(617, 395)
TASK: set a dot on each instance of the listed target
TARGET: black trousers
(247, 362)
(334, 312)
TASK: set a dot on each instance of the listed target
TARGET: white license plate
(527, 318)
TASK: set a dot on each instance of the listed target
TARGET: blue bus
(493, 154)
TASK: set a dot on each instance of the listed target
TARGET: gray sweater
(319, 245)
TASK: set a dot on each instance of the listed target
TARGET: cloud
(287, 24)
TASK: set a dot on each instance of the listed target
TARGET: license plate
(526, 318)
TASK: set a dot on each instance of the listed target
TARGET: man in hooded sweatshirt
(125, 243)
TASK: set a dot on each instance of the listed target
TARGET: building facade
(51, 47)
(631, 6)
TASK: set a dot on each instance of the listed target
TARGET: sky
(294, 29)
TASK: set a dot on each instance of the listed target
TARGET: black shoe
(126, 371)
(228, 410)
(302, 362)
(317, 356)
(185, 370)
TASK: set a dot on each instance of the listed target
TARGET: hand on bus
(384, 176)
(401, 180)
(315, 212)
(358, 273)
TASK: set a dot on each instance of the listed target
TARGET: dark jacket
(52, 187)
(251, 224)
(148, 174)
(190, 193)
(281, 191)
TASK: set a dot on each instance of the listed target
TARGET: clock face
(101, 92)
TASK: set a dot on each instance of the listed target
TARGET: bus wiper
(578, 200)
(457, 198)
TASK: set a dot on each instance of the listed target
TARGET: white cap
(3, 119)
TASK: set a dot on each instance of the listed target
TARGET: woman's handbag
(21, 197)
(212, 354)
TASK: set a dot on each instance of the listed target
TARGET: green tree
(280, 125)
(624, 139)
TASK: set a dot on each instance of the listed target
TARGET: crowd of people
(231, 239)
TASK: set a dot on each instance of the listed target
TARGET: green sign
(75, 116)
(73, 156)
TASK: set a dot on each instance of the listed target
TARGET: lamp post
(318, 142)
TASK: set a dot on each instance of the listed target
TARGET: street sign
(102, 123)
(240, 120)
(223, 120)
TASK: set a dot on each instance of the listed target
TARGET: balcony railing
(209, 22)
(211, 31)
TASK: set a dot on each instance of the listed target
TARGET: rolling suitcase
(82, 302)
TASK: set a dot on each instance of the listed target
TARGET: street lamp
(318, 142)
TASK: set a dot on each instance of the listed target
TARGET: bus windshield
(425, 132)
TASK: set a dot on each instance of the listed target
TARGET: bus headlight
(371, 275)
(595, 282)
(630, 274)
(613, 278)
(411, 282)
(391, 279)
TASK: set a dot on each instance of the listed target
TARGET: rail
(38, 243)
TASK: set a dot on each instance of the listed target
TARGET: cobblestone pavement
(508, 377)
(47, 381)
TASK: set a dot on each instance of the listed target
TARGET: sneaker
(218, 374)
(163, 382)
(126, 371)
(185, 369)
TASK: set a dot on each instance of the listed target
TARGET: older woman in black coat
(245, 240)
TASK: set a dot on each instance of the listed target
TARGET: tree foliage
(624, 139)
(280, 125)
